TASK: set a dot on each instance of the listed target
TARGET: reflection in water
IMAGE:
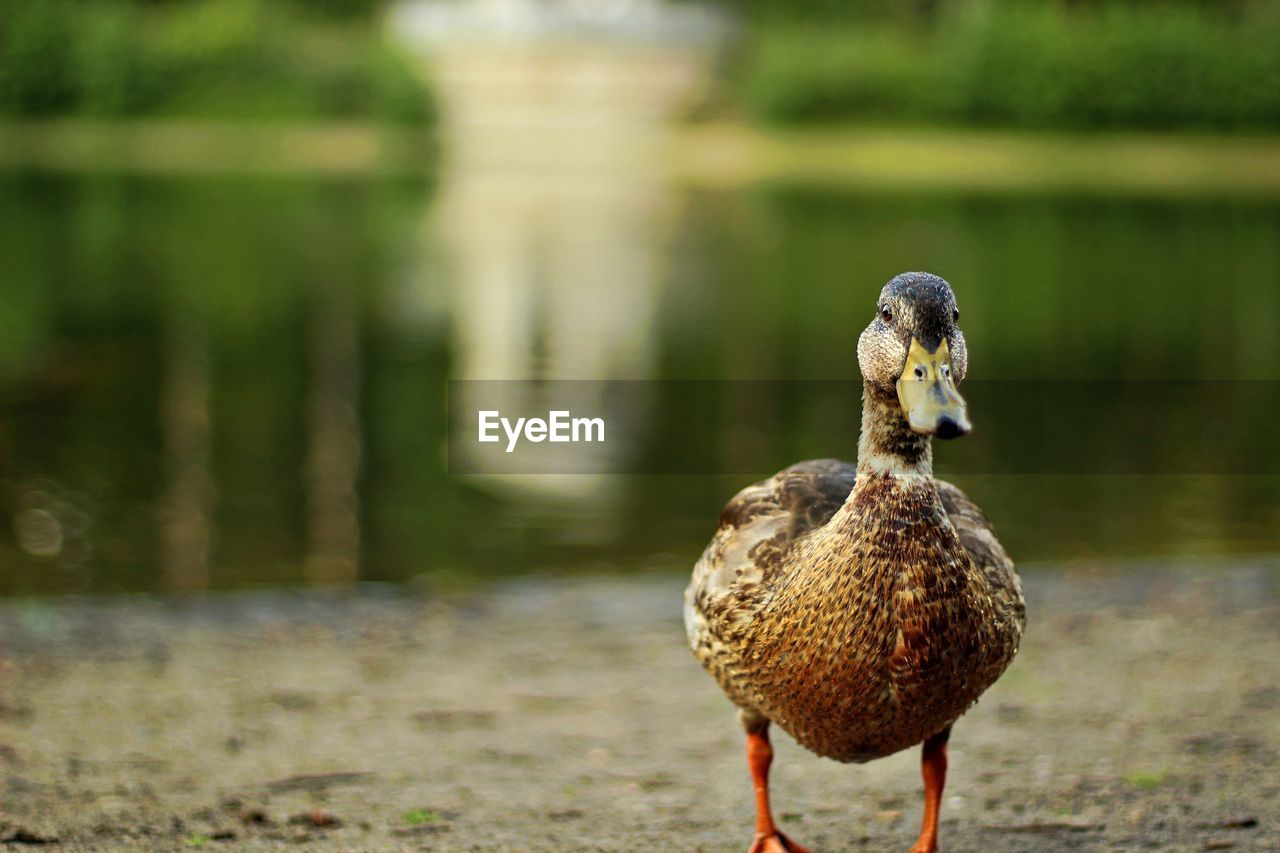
(553, 205)
(333, 433)
(554, 279)
(54, 524)
(160, 336)
(185, 514)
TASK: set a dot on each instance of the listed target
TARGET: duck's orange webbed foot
(776, 843)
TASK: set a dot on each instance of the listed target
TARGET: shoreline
(708, 155)
(551, 714)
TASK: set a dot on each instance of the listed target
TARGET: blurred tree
(35, 57)
(1096, 63)
(212, 58)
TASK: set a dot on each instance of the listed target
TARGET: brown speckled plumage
(863, 609)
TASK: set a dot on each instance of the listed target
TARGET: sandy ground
(567, 715)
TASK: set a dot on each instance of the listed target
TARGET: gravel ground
(567, 715)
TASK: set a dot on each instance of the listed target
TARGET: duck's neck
(887, 447)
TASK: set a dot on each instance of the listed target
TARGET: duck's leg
(759, 756)
(933, 767)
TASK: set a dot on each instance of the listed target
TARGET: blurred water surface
(219, 382)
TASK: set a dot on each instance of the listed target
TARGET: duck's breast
(877, 640)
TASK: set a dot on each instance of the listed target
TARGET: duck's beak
(928, 395)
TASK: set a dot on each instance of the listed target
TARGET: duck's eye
(955, 315)
(885, 313)
(919, 372)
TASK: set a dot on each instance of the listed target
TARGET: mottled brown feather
(756, 529)
(979, 539)
(861, 621)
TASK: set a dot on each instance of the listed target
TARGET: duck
(863, 607)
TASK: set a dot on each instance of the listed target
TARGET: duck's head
(914, 349)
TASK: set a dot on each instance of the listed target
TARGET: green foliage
(113, 68)
(398, 94)
(35, 46)
(1032, 64)
(806, 74)
(231, 59)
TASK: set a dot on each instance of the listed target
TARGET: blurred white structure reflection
(552, 204)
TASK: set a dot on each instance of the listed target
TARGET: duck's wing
(979, 539)
(737, 571)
